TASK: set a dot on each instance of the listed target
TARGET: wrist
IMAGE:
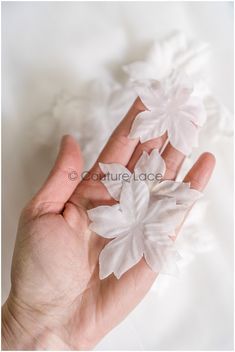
(26, 330)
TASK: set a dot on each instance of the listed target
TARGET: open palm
(56, 291)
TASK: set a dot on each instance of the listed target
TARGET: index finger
(119, 147)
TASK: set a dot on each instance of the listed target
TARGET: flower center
(138, 228)
(171, 107)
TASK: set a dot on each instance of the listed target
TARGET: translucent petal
(183, 135)
(120, 255)
(148, 125)
(158, 256)
(195, 111)
(148, 91)
(116, 174)
(103, 221)
(151, 164)
(134, 200)
(166, 213)
(180, 191)
(178, 86)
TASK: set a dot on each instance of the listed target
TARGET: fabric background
(54, 49)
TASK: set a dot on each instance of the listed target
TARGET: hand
(57, 300)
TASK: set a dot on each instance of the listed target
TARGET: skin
(57, 301)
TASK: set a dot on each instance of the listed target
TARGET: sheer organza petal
(147, 125)
(115, 175)
(120, 255)
(158, 256)
(103, 223)
(183, 135)
(180, 191)
(134, 200)
(153, 165)
(164, 212)
(146, 91)
(179, 86)
(195, 111)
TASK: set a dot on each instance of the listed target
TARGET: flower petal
(148, 91)
(120, 255)
(195, 111)
(152, 164)
(158, 256)
(183, 134)
(134, 200)
(147, 125)
(103, 221)
(116, 174)
(180, 191)
(178, 86)
(165, 213)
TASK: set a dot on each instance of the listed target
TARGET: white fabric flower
(142, 222)
(140, 228)
(171, 108)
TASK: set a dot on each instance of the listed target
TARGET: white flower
(142, 222)
(140, 228)
(171, 108)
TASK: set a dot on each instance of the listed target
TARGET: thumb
(62, 180)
